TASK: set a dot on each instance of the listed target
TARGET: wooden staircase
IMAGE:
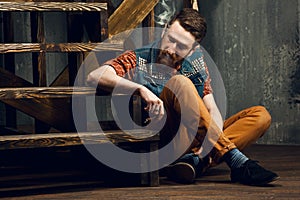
(50, 104)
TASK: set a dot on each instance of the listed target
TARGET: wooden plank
(8, 79)
(53, 6)
(38, 141)
(62, 79)
(44, 92)
(151, 178)
(9, 65)
(38, 58)
(20, 47)
(56, 112)
(61, 47)
(49, 111)
(75, 31)
(20, 1)
(104, 25)
(71, 139)
(50, 105)
(129, 15)
(48, 186)
(214, 185)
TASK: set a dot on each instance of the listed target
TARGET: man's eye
(171, 40)
(182, 47)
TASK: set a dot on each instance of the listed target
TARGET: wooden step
(51, 105)
(61, 47)
(71, 139)
(52, 6)
(45, 92)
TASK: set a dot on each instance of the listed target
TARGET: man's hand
(155, 105)
(105, 78)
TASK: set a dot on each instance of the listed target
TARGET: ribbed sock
(234, 158)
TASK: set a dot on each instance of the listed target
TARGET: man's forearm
(213, 110)
(216, 116)
(105, 78)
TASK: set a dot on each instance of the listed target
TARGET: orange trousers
(189, 120)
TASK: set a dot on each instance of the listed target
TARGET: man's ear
(197, 46)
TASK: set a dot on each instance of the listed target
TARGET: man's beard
(171, 60)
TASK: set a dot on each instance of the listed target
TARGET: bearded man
(172, 79)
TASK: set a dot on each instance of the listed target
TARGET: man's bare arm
(213, 109)
(105, 78)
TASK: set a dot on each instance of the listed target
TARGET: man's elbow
(101, 76)
(92, 79)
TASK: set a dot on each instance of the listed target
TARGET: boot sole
(181, 172)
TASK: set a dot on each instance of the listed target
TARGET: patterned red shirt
(126, 62)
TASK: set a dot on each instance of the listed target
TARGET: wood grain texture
(61, 175)
(62, 79)
(8, 79)
(44, 92)
(61, 47)
(55, 112)
(38, 58)
(71, 139)
(52, 6)
(129, 15)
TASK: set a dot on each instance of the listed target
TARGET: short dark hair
(192, 21)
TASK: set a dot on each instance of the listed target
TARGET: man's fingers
(155, 108)
(147, 108)
(162, 111)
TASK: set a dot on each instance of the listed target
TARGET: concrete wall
(255, 44)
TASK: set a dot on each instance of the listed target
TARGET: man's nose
(172, 48)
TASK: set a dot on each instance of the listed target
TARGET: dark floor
(64, 174)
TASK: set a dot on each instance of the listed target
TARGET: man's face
(176, 44)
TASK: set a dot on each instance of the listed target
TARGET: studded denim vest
(151, 75)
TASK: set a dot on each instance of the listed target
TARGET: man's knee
(264, 117)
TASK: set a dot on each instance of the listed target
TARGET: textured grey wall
(255, 44)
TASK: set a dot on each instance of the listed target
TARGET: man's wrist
(140, 89)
